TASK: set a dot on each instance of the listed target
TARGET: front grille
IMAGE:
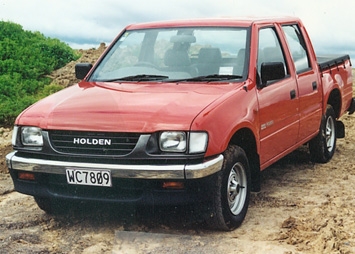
(93, 143)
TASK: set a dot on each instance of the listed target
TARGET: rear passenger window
(297, 47)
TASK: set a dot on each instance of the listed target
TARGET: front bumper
(182, 171)
(131, 184)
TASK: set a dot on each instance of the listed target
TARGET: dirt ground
(302, 208)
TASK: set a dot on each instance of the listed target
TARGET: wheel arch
(334, 99)
(245, 139)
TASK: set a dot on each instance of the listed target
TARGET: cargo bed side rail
(327, 62)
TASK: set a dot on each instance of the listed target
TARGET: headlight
(31, 136)
(176, 141)
(172, 141)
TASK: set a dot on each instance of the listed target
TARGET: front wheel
(230, 191)
(45, 204)
(52, 206)
(322, 147)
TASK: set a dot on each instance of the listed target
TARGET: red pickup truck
(184, 112)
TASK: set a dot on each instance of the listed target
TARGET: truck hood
(123, 107)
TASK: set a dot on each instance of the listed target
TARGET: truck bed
(335, 66)
(326, 62)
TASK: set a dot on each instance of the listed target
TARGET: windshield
(172, 54)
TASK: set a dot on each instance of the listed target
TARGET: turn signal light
(26, 176)
(173, 185)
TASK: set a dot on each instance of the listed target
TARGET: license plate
(89, 177)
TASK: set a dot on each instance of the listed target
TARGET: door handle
(293, 94)
(314, 85)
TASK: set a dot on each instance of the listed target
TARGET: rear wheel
(231, 191)
(322, 147)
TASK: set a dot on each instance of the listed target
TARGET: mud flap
(351, 109)
(340, 129)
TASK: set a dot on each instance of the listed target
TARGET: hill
(65, 76)
(26, 60)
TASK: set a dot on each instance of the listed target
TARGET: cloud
(90, 22)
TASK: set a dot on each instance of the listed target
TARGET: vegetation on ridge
(26, 60)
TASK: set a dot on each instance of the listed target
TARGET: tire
(52, 206)
(322, 147)
(230, 191)
(45, 204)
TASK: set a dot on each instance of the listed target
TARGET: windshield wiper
(210, 78)
(139, 77)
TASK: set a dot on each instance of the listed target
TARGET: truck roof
(239, 22)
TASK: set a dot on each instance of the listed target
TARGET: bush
(26, 59)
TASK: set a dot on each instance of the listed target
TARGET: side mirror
(82, 69)
(272, 71)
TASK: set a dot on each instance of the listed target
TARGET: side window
(269, 49)
(297, 47)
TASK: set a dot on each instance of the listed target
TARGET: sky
(85, 24)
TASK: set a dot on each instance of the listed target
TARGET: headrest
(176, 58)
(209, 55)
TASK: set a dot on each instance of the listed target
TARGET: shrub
(26, 58)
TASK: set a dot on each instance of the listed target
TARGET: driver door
(278, 102)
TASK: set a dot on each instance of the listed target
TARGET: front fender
(223, 118)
